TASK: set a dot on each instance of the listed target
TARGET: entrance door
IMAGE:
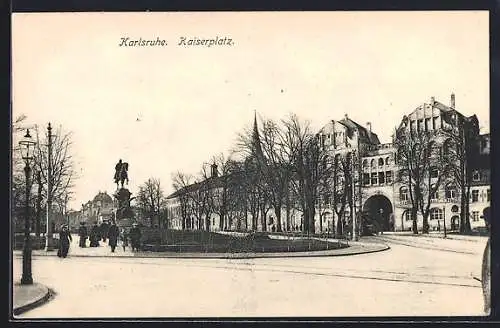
(377, 212)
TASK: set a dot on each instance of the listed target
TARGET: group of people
(111, 233)
(105, 232)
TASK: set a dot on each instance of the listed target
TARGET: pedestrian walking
(94, 236)
(124, 237)
(83, 234)
(104, 230)
(64, 241)
(135, 237)
(113, 234)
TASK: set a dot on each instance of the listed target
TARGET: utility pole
(48, 238)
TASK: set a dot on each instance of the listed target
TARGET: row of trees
(281, 166)
(62, 172)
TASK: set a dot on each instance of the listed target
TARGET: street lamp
(27, 146)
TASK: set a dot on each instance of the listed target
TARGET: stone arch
(377, 211)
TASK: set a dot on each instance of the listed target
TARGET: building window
(475, 216)
(412, 126)
(403, 194)
(380, 162)
(427, 124)
(451, 191)
(436, 214)
(435, 194)
(488, 195)
(476, 176)
(387, 161)
(434, 122)
(420, 126)
(434, 172)
(366, 179)
(475, 196)
(388, 177)
(447, 147)
(381, 177)
(372, 163)
(374, 180)
(407, 215)
(365, 163)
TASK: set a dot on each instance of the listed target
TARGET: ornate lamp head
(27, 146)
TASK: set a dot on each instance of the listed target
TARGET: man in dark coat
(83, 233)
(64, 241)
(104, 230)
(94, 235)
(113, 234)
(135, 237)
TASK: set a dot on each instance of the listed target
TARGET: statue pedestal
(124, 210)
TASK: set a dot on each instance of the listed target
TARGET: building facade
(101, 207)
(377, 189)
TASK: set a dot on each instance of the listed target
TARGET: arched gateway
(378, 212)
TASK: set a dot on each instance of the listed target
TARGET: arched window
(451, 191)
(434, 192)
(380, 162)
(372, 163)
(407, 215)
(403, 194)
(447, 147)
(387, 160)
(436, 213)
(365, 163)
(337, 159)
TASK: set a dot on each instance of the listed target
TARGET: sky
(171, 108)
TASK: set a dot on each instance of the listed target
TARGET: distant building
(100, 208)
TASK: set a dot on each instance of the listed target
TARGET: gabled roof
(364, 133)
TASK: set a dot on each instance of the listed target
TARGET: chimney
(214, 170)
(346, 117)
(432, 100)
(452, 101)
(369, 126)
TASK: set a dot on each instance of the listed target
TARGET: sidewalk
(355, 248)
(27, 297)
(455, 245)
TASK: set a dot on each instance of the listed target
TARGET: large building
(378, 190)
(100, 208)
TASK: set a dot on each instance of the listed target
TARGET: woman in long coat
(94, 236)
(64, 241)
(113, 234)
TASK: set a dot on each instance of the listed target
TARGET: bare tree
(150, 199)
(271, 166)
(421, 171)
(63, 173)
(306, 156)
(181, 183)
(461, 153)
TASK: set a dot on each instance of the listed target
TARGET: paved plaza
(402, 281)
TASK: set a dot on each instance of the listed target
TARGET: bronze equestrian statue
(121, 173)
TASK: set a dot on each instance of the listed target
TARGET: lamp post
(27, 146)
(48, 235)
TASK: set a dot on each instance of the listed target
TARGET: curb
(30, 306)
(228, 256)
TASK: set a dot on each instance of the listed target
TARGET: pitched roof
(364, 133)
